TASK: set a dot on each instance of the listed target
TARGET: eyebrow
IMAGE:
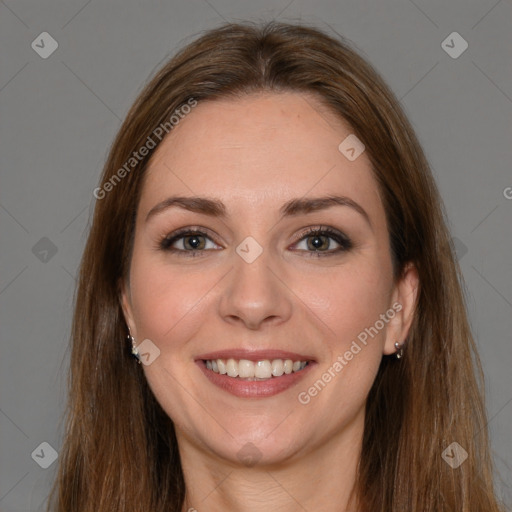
(216, 208)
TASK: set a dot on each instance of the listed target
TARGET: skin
(254, 154)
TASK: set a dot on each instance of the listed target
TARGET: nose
(254, 295)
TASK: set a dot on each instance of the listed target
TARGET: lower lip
(254, 388)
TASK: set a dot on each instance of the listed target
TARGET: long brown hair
(120, 451)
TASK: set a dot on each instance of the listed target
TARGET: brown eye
(194, 242)
(187, 241)
(318, 242)
(324, 242)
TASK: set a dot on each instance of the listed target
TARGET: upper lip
(254, 355)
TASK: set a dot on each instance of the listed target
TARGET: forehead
(259, 150)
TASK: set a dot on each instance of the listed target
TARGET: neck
(321, 479)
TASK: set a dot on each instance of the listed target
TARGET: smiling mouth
(244, 369)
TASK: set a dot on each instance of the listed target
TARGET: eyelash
(345, 243)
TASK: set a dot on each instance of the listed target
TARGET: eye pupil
(194, 241)
(317, 242)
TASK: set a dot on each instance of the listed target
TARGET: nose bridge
(253, 292)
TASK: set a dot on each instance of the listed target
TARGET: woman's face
(246, 284)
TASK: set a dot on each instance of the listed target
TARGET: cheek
(348, 300)
(165, 300)
(350, 303)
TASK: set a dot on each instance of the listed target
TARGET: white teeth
(263, 369)
(245, 369)
(260, 370)
(221, 366)
(231, 367)
(277, 368)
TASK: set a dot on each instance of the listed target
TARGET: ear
(126, 304)
(403, 302)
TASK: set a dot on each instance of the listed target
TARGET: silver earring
(134, 352)
(399, 350)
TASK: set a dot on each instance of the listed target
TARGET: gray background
(59, 116)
